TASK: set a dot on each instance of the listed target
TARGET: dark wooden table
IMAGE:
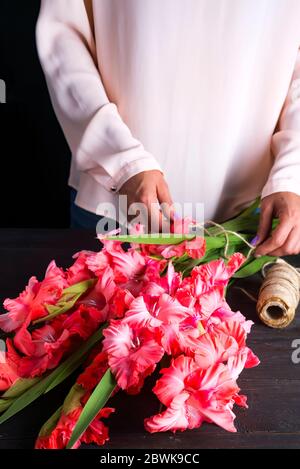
(273, 388)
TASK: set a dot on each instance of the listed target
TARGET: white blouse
(208, 91)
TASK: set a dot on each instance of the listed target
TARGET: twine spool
(279, 295)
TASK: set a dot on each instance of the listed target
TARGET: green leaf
(155, 238)
(97, 400)
(80, 287)
(254, 266)
(218, 242)
(68, 299)
(19, 387)
(73, 399)
(58, 375)
(4, 404)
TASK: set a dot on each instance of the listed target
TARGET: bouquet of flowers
(117, 314)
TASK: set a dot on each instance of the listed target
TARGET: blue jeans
(81, 218)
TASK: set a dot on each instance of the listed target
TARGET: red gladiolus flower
(45, 346)
(8, 368)
(120, 303)
(84, 321)
(94, 372)
(97, 432)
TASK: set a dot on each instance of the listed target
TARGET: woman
(201, 93)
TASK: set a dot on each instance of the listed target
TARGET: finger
(165, 200)
(143, 210)
(291, 245)
(155, 218)
(277, 238)
(265, 223)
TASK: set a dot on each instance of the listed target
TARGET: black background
(35, 158)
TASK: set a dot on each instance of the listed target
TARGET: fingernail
(254, 241)
(257, 256)
(177, 216)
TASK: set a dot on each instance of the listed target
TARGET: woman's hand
(149, 188)
(285, 239)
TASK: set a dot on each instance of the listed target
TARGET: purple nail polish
(254, 241)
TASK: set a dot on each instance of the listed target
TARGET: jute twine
(279, 294)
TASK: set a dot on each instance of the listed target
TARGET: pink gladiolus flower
(102, 293)
(164, 310)
(97, 262)
(178, 338)
(223, 314)
(226, 340)
(193, 395)
(132, 354)
(214, 348)
(19, 308)
(113, 300)
(210, 302)
(177, 324)
(157, 285)
(79, 271)
(179, 315)
(174, 418)
(234, 329)
(234, 263)
(215, 273)
(30, 304)
(127, 265)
